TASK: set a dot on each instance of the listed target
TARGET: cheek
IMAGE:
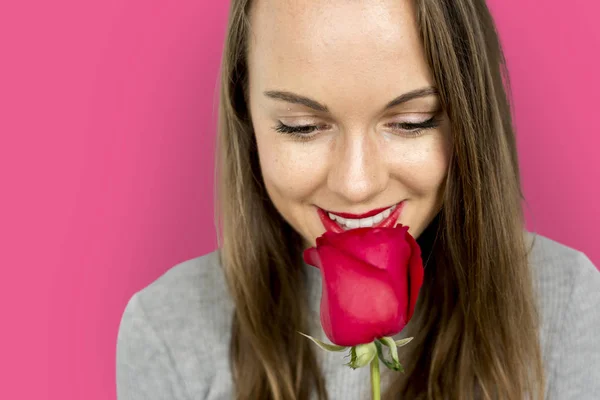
(290, 170)
(422, 165)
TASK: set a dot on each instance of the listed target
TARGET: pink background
(107, 125)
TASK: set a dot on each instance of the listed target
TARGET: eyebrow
(294, 98)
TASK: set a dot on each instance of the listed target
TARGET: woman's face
(352, 78)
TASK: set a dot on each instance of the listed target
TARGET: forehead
(365, 47)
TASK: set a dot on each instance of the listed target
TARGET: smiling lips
(381, 218)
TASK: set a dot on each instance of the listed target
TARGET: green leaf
(403, 342)
(325, 346)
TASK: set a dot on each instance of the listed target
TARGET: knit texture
(173, 340)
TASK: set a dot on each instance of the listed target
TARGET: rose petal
(311, 257)
(369, 290)
(416, 273)
(378, 247)
(359, 303)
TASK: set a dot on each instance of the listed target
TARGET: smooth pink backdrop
(107, 125)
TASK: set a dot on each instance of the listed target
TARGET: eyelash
(410, 129)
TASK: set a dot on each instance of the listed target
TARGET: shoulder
(561, 274)
(173, 330)
(568, 284)
(189, 288)
(189, 298)
(560, 269)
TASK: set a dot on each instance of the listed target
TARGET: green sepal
(389, 342)
(362, 355)
(325, 346)
(393, 365)
(403, 342)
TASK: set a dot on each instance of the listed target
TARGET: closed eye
(303, 129)
(410, 129)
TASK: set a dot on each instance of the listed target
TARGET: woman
(338, 107)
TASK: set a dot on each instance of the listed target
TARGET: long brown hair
(476, 324)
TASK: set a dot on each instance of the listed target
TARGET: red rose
(371, 280)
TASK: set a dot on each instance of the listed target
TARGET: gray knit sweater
(174, 335)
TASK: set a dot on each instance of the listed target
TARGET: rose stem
(375, 379)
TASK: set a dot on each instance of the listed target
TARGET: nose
(358, 171)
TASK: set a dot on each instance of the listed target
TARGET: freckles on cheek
(291, 174)
(422, 169)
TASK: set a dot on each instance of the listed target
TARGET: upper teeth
(352, 223)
